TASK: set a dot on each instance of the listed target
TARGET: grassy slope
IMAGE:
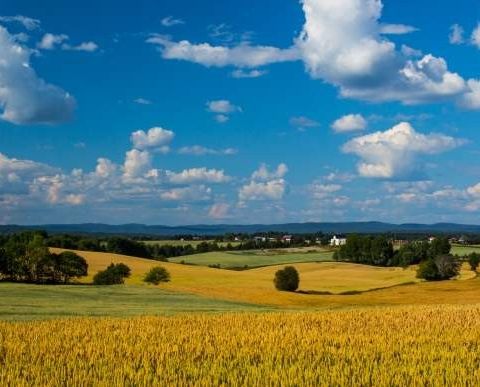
(255, 286)
(175, 242)
(254, 259)
(22, 302)
(465, 250)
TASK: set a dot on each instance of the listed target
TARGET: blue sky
(184, 112)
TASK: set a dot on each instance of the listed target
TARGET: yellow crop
(417, 345)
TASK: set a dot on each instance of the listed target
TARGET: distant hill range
(294, 228)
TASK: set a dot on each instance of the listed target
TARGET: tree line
(25, 257)
(434, 258)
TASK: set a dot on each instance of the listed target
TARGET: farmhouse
(338, 241)
(287, 239)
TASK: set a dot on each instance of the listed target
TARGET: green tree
(114, 274)
(156, 275)
(427, 270)
(69, 265)
(35, 254)
(439, 246)
(287, 279)
(442, 267)
(474, 261)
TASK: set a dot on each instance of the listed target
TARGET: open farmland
(462, 250)
(34, 302)
(255, 286)
(437, 345)
(194, 243)
(255, 258)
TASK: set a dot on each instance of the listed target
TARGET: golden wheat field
(436, 345)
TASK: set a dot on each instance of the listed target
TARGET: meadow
(40, 302)
(195, 243)
(425, 345)
(255, 258)
(462, 250)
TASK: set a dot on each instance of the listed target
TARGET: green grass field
(27, 302)
(464, 250)
(256, 258)
(175, 242)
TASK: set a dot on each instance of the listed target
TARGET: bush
(428, 270)
(474, 261)
(442, 267)
(112, 275)
(287, 279)
(156, 275)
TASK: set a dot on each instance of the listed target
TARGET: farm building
(338, 241)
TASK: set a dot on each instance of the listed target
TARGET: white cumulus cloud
(24, 97)
(349, 123)
(394, 153)
(157, 139)
(196, 175)
(265, 184)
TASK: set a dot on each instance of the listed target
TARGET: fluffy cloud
(263, 173)
(471, 99)
(265, 184)
(351, 53)
(195, 175)
(137, 164)
(349, 123)
(198, 150)
(456, 34)
(269, 190)
(242, 56)
(51, 42)
(157, 139)
(393, 153)
(342, 43)
(16, 175)
(222, 109)
(222, 106)
(24, 97)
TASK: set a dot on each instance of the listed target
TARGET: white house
(338, 241)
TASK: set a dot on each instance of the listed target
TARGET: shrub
(287, 279)
(442, 267)
(428, 270)
(156, 275)
(474, 261)
(114, 274)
